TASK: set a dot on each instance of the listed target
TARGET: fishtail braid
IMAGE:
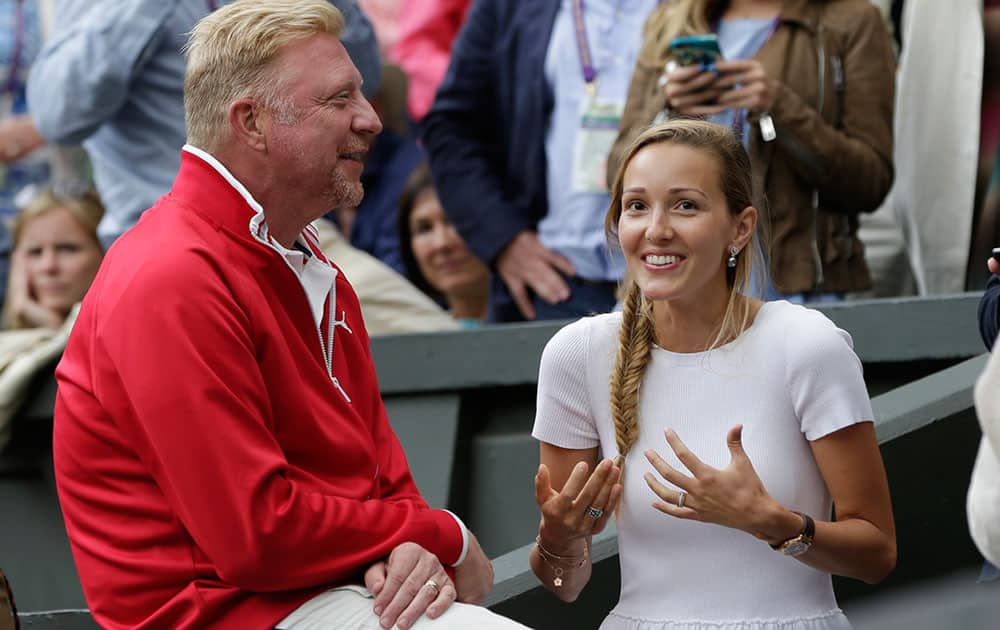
(635, 344)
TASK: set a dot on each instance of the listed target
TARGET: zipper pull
(340, 389)
(767, 131)
(838, 73)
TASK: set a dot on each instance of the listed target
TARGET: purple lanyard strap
(212, 5)
(15, 56)
(583, 48)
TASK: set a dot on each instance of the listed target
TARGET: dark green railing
(462, 404)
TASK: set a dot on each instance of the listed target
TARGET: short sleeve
(564, 415)
(825, 378)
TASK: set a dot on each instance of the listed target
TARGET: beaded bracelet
(548, 558)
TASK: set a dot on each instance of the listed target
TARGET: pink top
(384, 16)
(423, 49)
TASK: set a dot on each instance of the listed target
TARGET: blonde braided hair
(635, 344)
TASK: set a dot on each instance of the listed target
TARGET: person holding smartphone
(807, 86)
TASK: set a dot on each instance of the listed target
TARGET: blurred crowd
(873, 145)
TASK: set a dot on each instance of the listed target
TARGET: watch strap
(806, 535)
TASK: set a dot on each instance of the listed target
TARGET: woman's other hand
(732, 496)
(569, 514)
(744, 84)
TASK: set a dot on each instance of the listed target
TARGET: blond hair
(86, 209)
(637, 333)
(230, 53)
(675, 19)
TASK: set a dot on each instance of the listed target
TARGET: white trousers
(350, 608)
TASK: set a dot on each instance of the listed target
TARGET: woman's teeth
(661, 260)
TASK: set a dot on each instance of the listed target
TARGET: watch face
(795, 548)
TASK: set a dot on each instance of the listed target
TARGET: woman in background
(25, 164)
(733, 424)
(807, 86)
(436, 258)
(56, 256)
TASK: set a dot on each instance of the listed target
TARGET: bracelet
(548, 558)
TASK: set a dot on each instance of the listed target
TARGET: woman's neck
(690, 325)
(752, 9)
(469, 305)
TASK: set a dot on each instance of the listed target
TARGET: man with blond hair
(222, 454)
(111, 76)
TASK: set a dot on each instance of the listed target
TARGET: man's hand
(402, 586)
(18, 138)
(525, 265)
(474, 577)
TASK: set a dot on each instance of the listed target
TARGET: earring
(733, 250)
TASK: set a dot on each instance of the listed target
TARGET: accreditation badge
(598, 130)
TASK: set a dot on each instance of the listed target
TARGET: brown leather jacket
(832, 157)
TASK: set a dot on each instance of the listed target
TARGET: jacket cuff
(465, 538)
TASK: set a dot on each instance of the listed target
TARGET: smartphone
(701, 50)
(996, 254)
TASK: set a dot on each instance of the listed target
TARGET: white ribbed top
(790, 378)
(984, 490)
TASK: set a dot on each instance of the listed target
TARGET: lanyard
(583, 48)
(15, 56)
(212, 5)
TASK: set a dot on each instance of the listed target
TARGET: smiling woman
(769, 399)
(436, 258)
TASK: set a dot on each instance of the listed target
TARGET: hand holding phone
(691, 76)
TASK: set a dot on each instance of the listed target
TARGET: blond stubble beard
(342, 192)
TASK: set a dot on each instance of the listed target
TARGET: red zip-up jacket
(211, 473)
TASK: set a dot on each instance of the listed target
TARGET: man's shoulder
(171, 251)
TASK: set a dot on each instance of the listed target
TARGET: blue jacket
(485, 135)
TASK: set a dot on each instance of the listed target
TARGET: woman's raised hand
(22, 306)
(732, 496)
(583, 506)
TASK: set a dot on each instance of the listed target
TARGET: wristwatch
(800, 544)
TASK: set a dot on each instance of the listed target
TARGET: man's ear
(248, 121)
